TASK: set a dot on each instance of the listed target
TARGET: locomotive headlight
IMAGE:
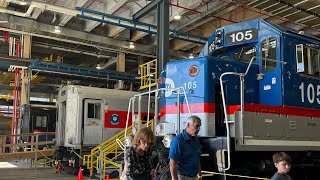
(194, 70)
(219, 41)
(219, 37)
(128, 141)
(167, 140)
(219, 33)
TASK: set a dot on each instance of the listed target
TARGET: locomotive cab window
(94, 110)
(308, 60)
(269, 50)
(245, 54)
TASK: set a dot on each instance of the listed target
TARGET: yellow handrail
(148, 74)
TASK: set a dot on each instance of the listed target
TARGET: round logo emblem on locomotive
(114, 119)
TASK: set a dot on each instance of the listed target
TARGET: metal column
(163, 35)
(162, 30)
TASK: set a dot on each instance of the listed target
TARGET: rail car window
(245, 54)
(41, 121)
(308, 60)
(269, 50)
(94, 110)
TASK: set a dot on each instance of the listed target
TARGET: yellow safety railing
(110, 152)
(148, 74)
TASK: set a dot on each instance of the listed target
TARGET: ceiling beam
(110, 8)
(71, 4)
(68, 34)
(151, 19)
(36, 13)
(229, 17)
(145, 10)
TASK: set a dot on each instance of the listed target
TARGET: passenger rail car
(281, 95)
(87, 117)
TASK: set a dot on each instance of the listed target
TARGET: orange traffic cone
(107, 177)
(80, 176)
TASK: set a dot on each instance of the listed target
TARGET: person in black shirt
(282, 161)
(137, 159)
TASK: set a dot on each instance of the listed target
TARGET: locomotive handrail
(156, 105)
(241, 75)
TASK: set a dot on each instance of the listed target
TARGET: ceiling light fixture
(131, 45)
(98, 66)
(57, 29)
(177, 16)
(191, 56)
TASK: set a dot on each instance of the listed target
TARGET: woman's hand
(153, 174)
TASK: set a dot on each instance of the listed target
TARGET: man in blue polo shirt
(185, 151)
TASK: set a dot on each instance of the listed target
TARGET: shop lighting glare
(131, 46)
(191, 56)
(177, 17)
(57, 29)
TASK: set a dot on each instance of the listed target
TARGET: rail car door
(93, 121)
(270, 85)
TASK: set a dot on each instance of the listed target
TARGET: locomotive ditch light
(219, 33)
(194, 70)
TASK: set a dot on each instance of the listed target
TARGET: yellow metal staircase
(109, 151)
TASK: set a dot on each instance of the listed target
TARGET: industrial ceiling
(83, 42)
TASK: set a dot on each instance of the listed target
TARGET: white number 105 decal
(240, 36)
(312, 95)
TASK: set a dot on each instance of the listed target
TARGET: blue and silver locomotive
(256, 88)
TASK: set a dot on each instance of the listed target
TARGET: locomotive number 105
(312, 93)
(242, 36)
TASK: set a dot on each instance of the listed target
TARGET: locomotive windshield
(240, 54)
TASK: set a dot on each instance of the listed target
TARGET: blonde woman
(137, 159)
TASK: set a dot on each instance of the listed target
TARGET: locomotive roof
(120, 94)
(287, 30)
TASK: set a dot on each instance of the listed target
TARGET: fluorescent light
(131, 46)
(177, 17)
(98, 66)
(57, 29)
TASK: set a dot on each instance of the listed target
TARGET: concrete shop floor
(21, 170)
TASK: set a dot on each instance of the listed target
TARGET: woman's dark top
(138, 167)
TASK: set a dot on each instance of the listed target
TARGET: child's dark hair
(281, 156)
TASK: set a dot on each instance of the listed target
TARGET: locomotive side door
(270, 84)
(93, 121)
